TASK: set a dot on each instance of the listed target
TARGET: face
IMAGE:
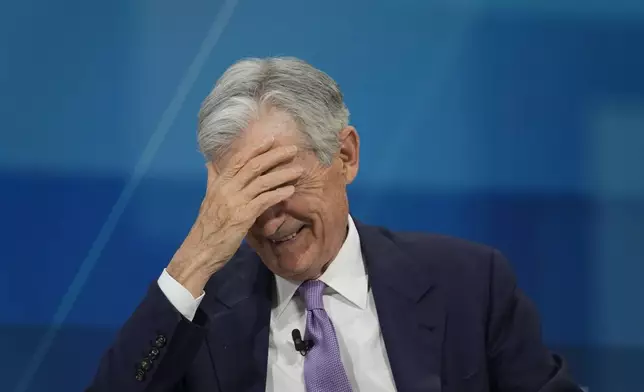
(297, 238)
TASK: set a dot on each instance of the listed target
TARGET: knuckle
(256, 167)
(235, 165)
(237, 159)
(263, 185)
(230, 172)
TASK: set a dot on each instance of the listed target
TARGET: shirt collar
(345, 275)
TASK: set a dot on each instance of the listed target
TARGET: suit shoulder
(467, 269)
(431, 247)
(455, 259)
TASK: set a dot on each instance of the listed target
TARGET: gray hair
(310, 96)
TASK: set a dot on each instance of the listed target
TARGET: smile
(287, 238)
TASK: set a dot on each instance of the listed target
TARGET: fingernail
(269, 139)
(292, 148)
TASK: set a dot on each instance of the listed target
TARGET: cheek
(314, 205)
(302, 204)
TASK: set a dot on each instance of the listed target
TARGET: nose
(269, 221)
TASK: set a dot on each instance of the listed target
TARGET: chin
(288, 266)
(292, 268)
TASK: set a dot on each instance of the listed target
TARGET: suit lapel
(239, 318)
(410, 311)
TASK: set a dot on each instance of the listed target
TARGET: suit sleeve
(518, 358)
(152, 350)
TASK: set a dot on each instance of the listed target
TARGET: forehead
(271, 122)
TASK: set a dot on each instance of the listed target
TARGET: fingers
(268, 199)
(239, 160)
(252, 180)
(260, 164)
(272, 180)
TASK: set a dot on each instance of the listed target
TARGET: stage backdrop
(517, 124)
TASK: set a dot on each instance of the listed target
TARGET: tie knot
(312, 291)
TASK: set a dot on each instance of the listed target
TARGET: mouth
(287, 238)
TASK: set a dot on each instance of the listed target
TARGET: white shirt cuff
(179, 296)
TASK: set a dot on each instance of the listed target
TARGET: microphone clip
(301, 346)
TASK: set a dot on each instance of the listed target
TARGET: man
(316, 301)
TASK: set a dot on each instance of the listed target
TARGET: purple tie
(323, 370)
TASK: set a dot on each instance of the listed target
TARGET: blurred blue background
(515, 123)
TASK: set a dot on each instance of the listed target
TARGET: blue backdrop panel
(518, 125)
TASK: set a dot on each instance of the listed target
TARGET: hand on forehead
(274, 123)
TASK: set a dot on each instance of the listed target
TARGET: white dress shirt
(349, 302)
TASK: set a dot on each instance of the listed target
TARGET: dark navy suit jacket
(451, 316)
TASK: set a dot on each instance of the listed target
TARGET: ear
(349, 153)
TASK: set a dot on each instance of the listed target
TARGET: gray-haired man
(379, 310)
